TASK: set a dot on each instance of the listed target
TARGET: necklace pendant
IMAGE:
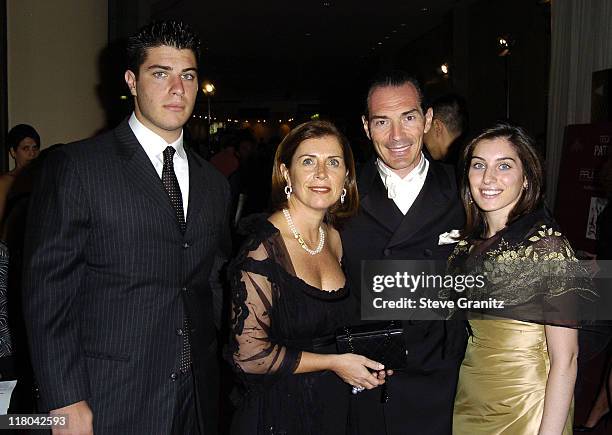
(299, 237)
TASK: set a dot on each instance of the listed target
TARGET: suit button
(184, 289)
(427, 252)
(387, 252)
(179, 331)
(173, 376)
(185, 245)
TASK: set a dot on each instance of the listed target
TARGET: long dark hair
(531, 196)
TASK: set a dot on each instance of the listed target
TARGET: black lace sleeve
(253, 350)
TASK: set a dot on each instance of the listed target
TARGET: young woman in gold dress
(519, 369)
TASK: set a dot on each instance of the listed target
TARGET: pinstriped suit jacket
(108, 277)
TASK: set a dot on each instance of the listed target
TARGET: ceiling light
(504, 45)
(208, 88)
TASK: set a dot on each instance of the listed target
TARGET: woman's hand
(355, 370)
(382, 374)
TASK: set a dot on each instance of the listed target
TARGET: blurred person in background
(23, 142)
(24, 146)
(448, 127)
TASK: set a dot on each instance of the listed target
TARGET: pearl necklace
(299, 237)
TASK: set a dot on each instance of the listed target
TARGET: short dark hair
(170, 33)
(284, 155)
(531, 196)
(451, 109)
(394, 78)
(19, 133)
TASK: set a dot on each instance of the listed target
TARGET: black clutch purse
(382, 342)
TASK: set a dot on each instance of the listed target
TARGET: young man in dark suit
(406, 202)
(125, 233)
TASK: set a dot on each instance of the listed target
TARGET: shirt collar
(388, 176)
(153, 144)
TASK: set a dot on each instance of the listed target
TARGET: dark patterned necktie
(173, 189)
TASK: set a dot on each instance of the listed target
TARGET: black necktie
(173, 189)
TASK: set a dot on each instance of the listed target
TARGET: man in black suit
(125, 233)
(406, 202)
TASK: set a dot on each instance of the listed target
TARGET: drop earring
(342, 196)
(288, 191)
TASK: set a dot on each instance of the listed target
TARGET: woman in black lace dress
(289, 295)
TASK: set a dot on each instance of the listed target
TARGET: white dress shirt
(154, 147)
(403, 191)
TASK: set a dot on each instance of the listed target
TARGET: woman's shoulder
(546, 236)
(6, 180)
(549, 243)
(255, 230)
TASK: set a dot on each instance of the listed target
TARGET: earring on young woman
(342, 196)
(288, 191)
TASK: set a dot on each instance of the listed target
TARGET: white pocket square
(449, 237)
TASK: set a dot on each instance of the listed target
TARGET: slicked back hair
(394, 78)
(160, 33)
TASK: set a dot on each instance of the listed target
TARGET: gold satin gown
(502, 380)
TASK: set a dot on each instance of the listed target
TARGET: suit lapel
(139, 170)
(372, 196)
(197, 188)
(430, 201)
(378, 205)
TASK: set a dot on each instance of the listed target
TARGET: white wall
(52, 52)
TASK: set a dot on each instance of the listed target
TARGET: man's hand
(79, 417)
